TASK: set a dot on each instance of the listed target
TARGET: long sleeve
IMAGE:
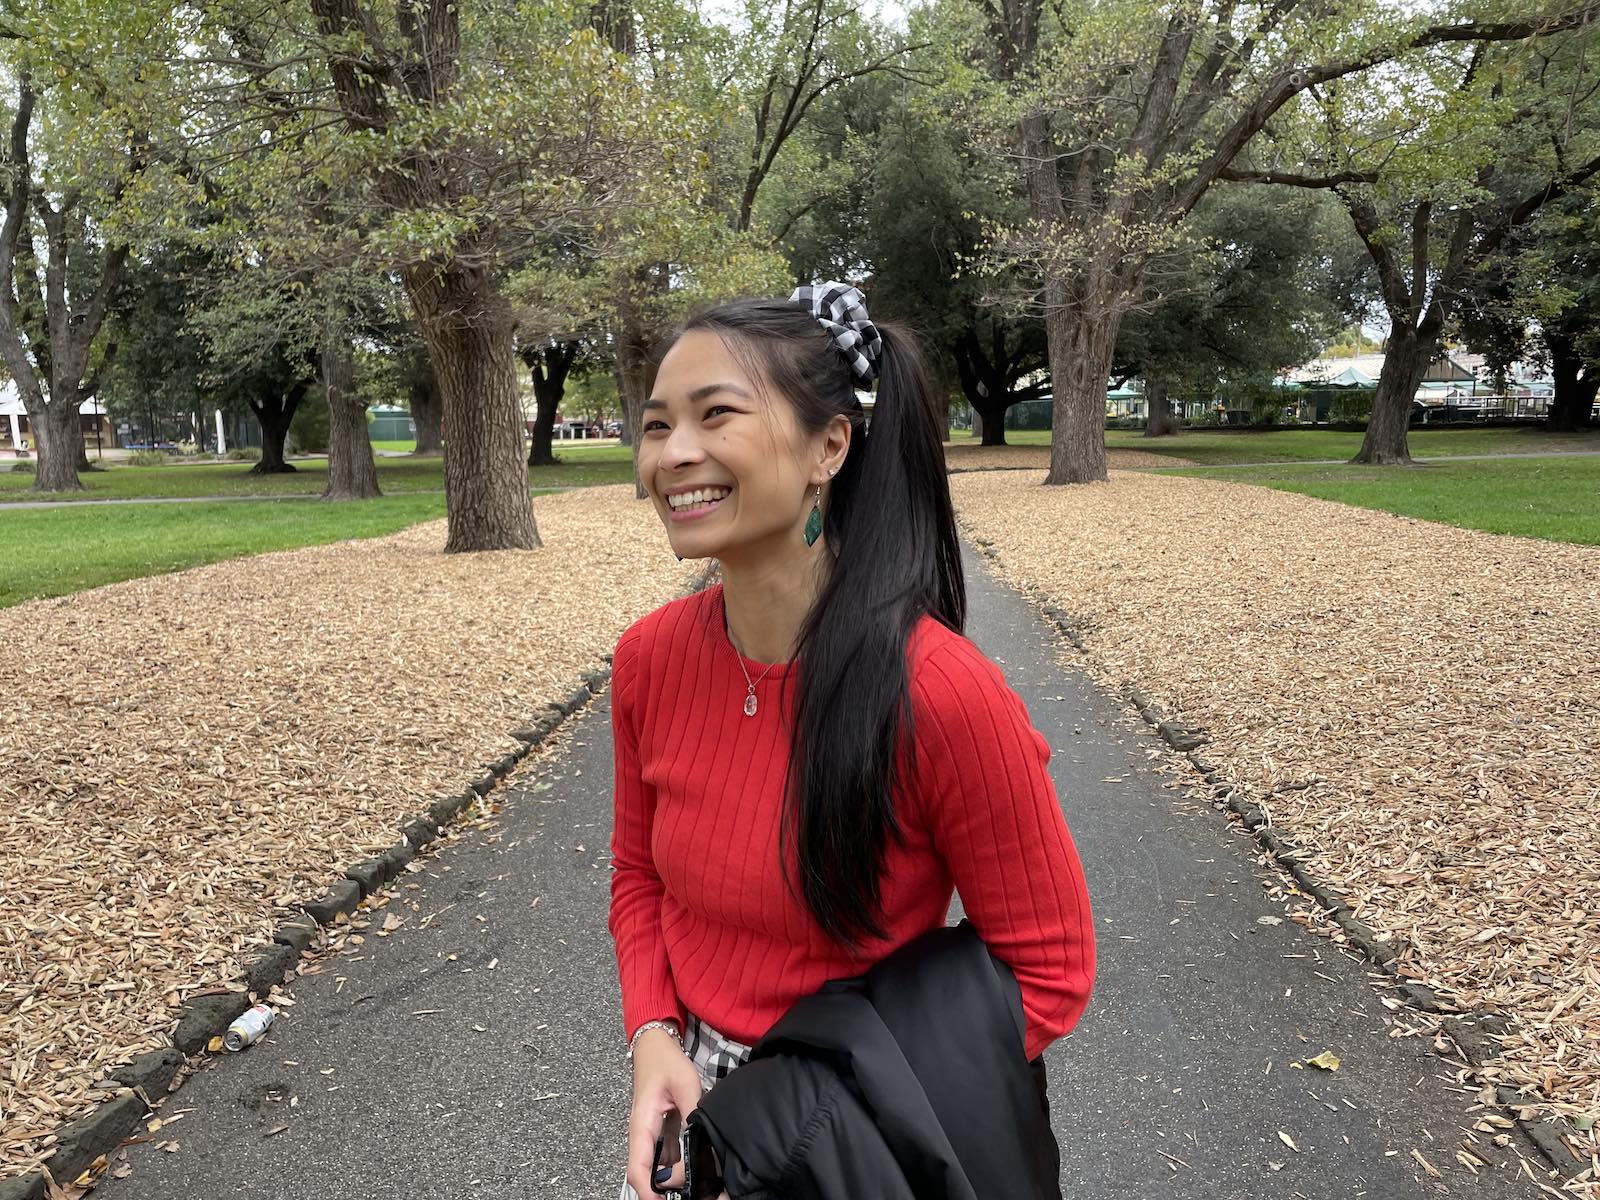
(988, 800)
(643, 970)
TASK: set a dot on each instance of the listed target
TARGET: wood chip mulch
(969, 456)
(1417, 705)
(186, 756)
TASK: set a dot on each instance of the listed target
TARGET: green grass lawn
(53, 551)
(1215, 446)
(1555, 498)
(577, 449)
(396, 476)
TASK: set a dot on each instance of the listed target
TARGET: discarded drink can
(249, 1027)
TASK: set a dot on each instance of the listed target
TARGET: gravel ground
(1417, 705)
(172, 810)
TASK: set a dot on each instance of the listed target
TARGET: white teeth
(702, 496)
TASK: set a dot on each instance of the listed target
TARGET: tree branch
(1289, 179)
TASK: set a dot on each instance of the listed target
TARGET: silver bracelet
(670, 1026)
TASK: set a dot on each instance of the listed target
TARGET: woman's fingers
(644, 1130)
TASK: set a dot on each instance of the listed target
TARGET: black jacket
(906, 1083)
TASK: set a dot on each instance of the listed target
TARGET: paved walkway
(476, 1051)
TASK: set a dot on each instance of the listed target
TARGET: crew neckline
(754, 665)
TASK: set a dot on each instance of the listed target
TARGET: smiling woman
(777, 824)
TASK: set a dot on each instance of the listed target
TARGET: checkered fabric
(842, 311)
(713, 1056)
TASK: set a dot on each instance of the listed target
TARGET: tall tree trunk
(992, 414)
(57, 437)
(542, 452)
(1081, 320)
(549, 366)
(274, 417)
(352, 474)
(636, 377)
(427, 408)
(1159, 420)
(468, 329)
(617, 376)
(81, 440)
(1405, 362)
(1082, 344)
(636, 360)
(1576, 385)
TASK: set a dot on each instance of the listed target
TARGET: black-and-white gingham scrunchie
(842, 311)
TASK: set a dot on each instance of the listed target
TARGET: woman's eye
(653, 425)
(718, 408)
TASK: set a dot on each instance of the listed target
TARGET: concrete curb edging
(1472, 1033)
(201, 1018)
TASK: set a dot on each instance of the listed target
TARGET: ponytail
(891, 527)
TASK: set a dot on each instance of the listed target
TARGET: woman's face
(731, 473)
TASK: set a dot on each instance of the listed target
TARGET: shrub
(147, 458)
(245, 454)
(24, 466)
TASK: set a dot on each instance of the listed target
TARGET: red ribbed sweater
(700, 915)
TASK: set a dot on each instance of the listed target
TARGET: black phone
(672, 1131)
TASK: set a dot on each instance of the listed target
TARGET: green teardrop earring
(814, 521)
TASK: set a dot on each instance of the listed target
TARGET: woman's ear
(835, 445)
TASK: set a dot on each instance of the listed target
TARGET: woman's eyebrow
(700, 393)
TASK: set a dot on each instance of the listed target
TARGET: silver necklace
(750, 685)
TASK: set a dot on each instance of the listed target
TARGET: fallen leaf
(1288, 1141)
(1327, 1060)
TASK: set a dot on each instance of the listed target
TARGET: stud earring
(814, 521)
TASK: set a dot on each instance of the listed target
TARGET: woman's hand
(663, 1079)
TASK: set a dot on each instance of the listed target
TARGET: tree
(89, 145)
(52, 364)
(1538, 297)
(1265, 285)
(439, 141)
(549, 365)
(1436, 182)
(352, 473)
(1121, 116)
(917, 225)
(758, 86)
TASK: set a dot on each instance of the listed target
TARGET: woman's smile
(691, 505)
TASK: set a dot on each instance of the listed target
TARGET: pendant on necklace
(750, 703)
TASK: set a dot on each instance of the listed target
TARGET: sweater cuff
(659, 1008)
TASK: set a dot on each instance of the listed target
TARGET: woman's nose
(682, 448)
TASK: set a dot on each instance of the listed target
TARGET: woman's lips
(694, 514)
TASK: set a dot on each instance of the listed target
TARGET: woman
(810, 757)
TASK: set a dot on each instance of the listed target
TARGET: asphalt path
(476, 1051)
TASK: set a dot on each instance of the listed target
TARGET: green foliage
(1264, 281)
(245, 454)
(146, 458)
(1352, 341)
(592, 396)
(1352, 404)
(23, 466)
(308, 432)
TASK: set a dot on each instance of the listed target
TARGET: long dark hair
(892, 531)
